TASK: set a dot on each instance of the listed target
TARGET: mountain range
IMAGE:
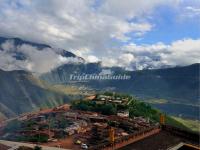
(21, 91)
(179, 84)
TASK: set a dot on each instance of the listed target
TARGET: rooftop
(162, 140)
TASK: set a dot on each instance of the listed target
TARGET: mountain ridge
(178, 83)
(19, 42)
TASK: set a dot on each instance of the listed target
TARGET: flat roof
(162, 140)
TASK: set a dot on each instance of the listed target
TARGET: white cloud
(92, 59)
(131, 8)
(122, 28)
(181, 52)
(189, 11)
(8, 45)
(109, 62)
(192, 11)
(92, 31)
(124, 60)
(184, 52)
(76, 24)
(38, 61)
(7, 62)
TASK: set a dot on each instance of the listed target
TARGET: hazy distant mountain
(21, 92)
(180, 84)
(62, 74)
(19, 42)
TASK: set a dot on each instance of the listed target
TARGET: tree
(108, 109)
(83, 106)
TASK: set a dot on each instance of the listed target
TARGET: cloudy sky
(134, 34)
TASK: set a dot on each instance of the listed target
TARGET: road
(15, 145)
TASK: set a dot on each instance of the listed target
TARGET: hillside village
(58, 125)
(102, 118)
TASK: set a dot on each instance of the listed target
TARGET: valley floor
(194, 125)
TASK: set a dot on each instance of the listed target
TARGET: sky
(126, 33)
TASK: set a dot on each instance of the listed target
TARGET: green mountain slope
(21, 92)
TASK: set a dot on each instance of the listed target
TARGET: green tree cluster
(106, 109)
